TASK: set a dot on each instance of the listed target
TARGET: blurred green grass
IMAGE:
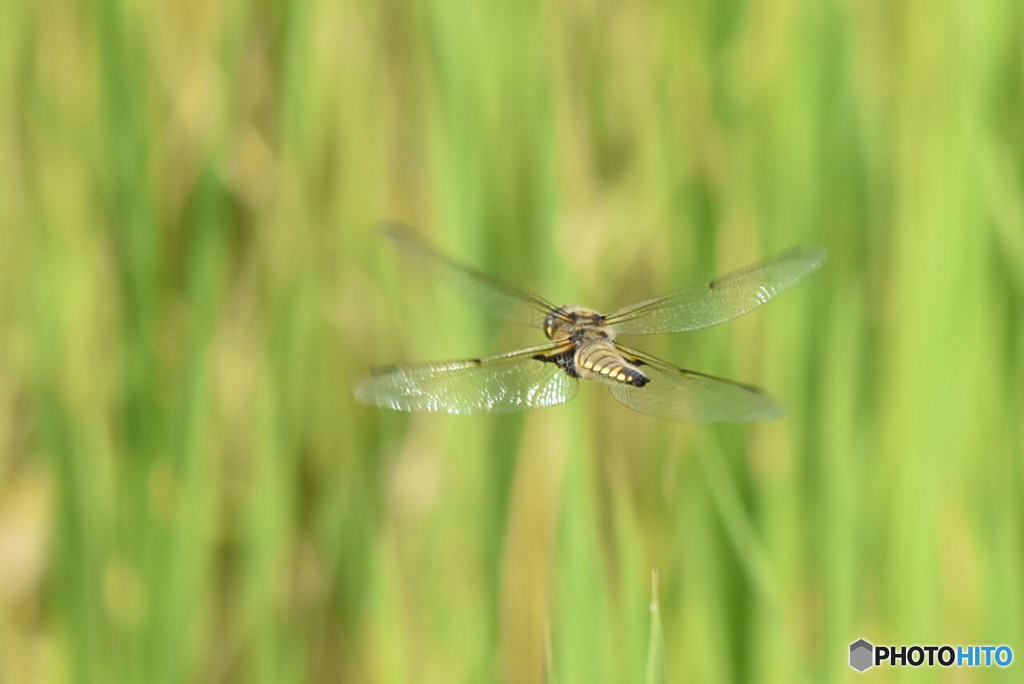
(190, 285)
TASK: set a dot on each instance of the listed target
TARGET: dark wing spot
(564, 360)
(711, 285)
(641, 380)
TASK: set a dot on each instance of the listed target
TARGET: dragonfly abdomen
(601, 359)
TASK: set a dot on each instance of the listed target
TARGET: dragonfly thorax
(576, 323)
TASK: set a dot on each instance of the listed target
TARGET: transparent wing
(499, 384)
(721, 299)
(688, 396)
(498, 298)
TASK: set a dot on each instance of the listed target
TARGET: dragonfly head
(553, 324)
(569, 321)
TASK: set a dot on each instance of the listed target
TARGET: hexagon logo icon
(861, 652)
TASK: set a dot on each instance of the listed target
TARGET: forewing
(499, 384)
(721, 299)
(688, 396)
(492, 295)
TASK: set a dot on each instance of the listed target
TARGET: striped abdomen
(601, 358)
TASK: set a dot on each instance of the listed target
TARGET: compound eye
(549, 325)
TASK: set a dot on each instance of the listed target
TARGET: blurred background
(190, 284)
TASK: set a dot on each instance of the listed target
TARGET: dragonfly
(583, 345)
